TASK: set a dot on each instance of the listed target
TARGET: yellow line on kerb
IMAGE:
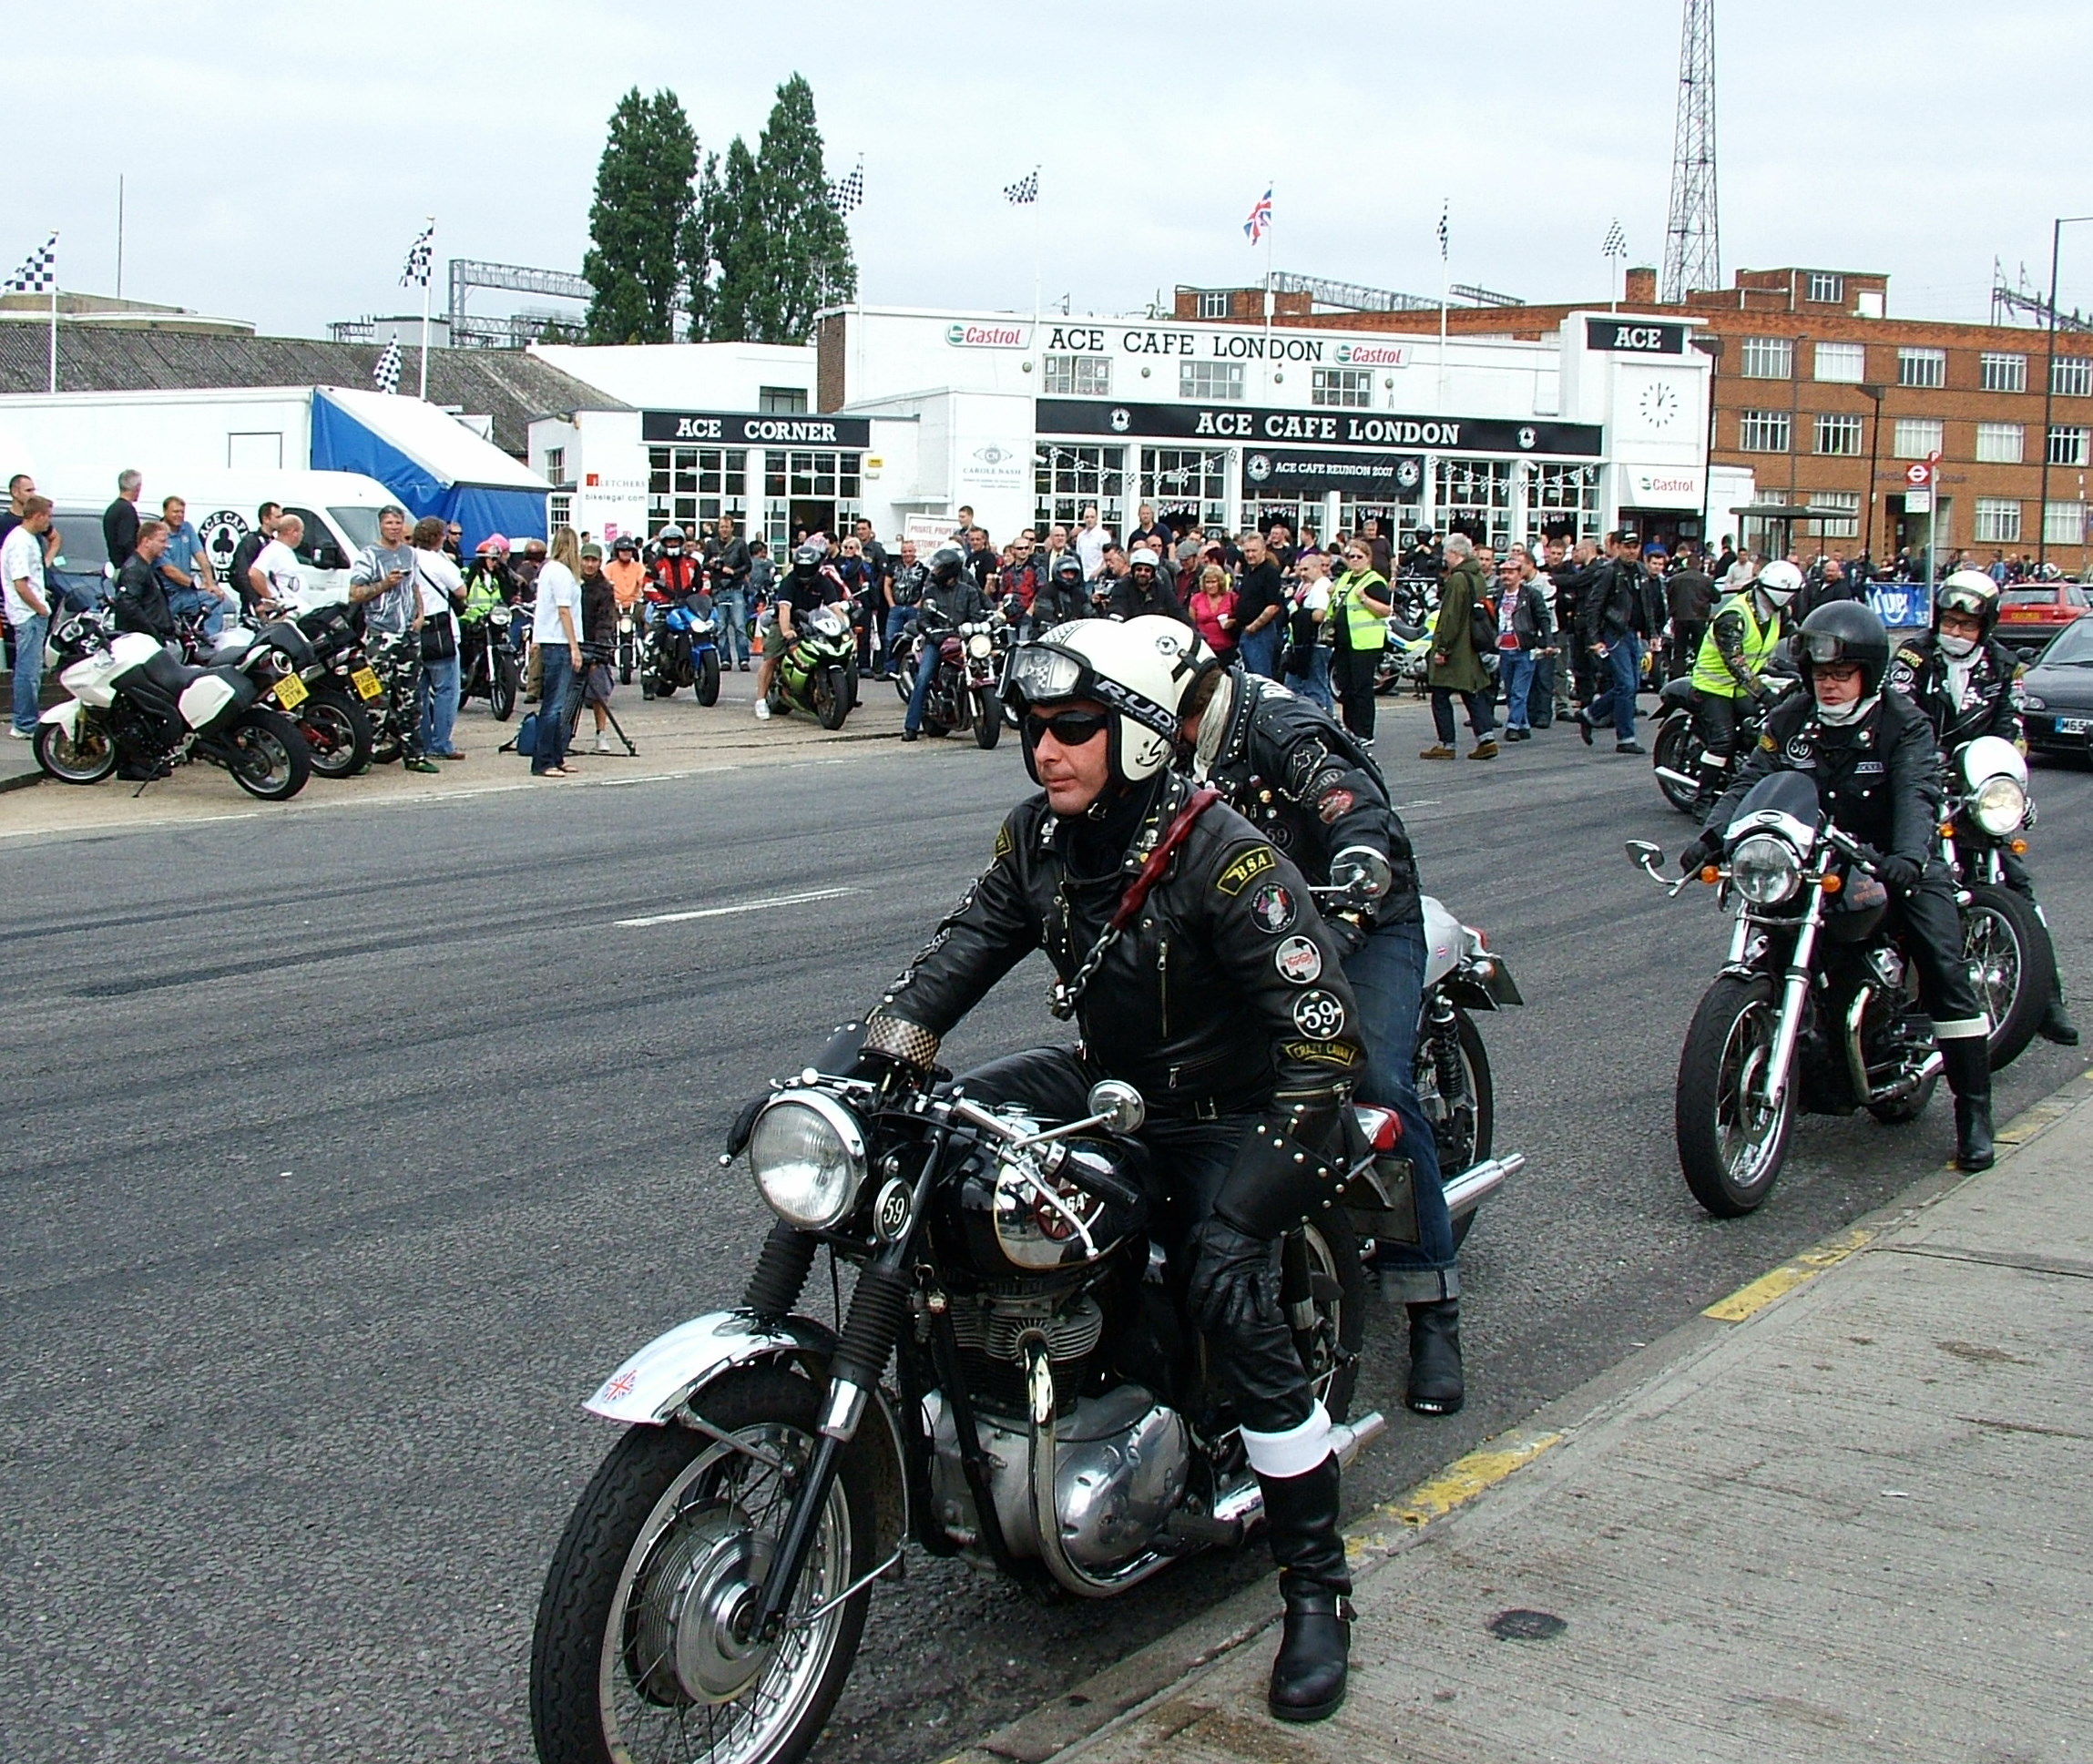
(1465, 1479)
(1749, 1301)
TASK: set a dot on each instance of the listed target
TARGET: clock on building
(1660, 403)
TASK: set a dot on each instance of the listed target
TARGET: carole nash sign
(1083, 416)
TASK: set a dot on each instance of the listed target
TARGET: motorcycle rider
(1967, 684)
(810, 584)
(1289, 768)
(1143, 590)
(1872, 756)
(1062, 595)
(1159, 909)
(1731, 665)
(676, 572)
(950, 597)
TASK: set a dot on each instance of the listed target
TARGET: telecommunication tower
(1692, 241)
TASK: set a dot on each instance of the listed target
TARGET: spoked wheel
(2011, 961)
(1731, 1145)
(643, 1650)
(85, 759)
(271, 760)
(1459, 1074)
(1322, 1290)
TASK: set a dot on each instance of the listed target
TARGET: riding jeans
(1260, 650)
(1315, 685)
(188, 603)
(1623, 664)
(897, 623)
(926, 671)
(556, 706)
(1387, 977)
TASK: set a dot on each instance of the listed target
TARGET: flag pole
(1270, 227)
(1036, 271)
(1445, 293)
(428, 287)
(54, 313)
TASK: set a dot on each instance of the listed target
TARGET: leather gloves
(1699, 852)
(1899, 873)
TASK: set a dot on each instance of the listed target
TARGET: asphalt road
(347, 1151)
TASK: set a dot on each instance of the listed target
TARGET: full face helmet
(1133, 670)
(807, 559)
(1068, 569)
(671, 537)
(945, 563)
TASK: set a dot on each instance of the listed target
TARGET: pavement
(1842, 1516)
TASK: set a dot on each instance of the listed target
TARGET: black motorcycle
(488, 664)
(1677, 749)
(965, 689)
(1050, 1414)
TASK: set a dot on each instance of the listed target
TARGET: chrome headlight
(1766, 869)
(1999, 805)
(499, 617)
(808, 1152)
(980, 643)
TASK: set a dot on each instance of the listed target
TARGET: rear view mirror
(1644, 855)
(1117, 1105)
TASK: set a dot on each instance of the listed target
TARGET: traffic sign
(1919, 475)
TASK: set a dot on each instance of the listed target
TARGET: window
(1563, 500)
(1917, 436)
(780, 400)
(1997, 520)
(1825, 289)
(2064, 524)
(1078, 376)
(1351, 387)
(1922, 367)
(689, 485)
(2003, 373)
(1210, 382)
(1474, 496)
(1835, 529)
(1838, 435)
(1768, 357)
(805, 475)
(1068, 476)
(1214, 306)
(1188, 480)
(2071, 376)
(1762, 432)
(556, 464)
(2067, 445)
(1999, 443)
(1844, 364)
(559, 510)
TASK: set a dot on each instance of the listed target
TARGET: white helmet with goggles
(1126, 669)
(1974, 595)
(1779, 582)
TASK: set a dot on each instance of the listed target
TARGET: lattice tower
(1693, 239)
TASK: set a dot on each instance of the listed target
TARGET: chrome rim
(1747, 1130)
(78, 759)
(1326, 1330)
(681, 1681)
(264, 760)
(1994, 955)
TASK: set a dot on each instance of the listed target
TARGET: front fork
(1794, 1000)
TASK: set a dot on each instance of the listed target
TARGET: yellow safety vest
(1363, 629)
(1710, 673)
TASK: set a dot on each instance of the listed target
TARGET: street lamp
(1874, 394)
(2049, 379)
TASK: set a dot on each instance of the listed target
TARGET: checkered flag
(1616, 241)
(39, 271)
(1025, 190)
(848, 196)
(421, 258)
(1446, 238)
(385, 376)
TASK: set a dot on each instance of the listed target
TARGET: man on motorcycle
(809, 584)
(1731, 667)
(1161, 910)
(1967, 684)
(1062, 595)
(676, 572)
(1877, 772)
(1143, 590)
(1286, 766)
(951, 597)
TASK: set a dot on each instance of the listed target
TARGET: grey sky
(278, 160)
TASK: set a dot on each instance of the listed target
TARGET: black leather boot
(2057, 1023)
(1435, 1386)
(1968, 1062)
(1314, 1647)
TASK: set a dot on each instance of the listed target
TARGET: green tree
(804, 261)
(704, 235)
(724, 248)
(635, 224)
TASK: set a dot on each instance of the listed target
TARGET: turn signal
(1709, 873)
(1947, 829)
(1833, 883)
(2019, 847)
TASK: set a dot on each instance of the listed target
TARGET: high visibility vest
(1364, 629)
(1710, 673)
(483, 594)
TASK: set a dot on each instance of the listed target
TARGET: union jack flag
(39, 271)
(1259, 221)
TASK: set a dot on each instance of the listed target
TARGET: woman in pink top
(1212, 608)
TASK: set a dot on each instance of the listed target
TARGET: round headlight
(1999, 805)
(979, 643)
(809, 1157)
(1765, 870)
(500, 615)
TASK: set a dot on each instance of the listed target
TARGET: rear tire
(337, 733)
(89, 761)
(2014, 966)
(1731, 1149)
(273, 762)
(709, 680)
(1676, 749)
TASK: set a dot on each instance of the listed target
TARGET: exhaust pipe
(1478, 1182)
(1671, 777)
(1240, 1510)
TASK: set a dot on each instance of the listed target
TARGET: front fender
(65, 714)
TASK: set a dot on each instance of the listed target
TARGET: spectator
(627, 577)
(1091, 538)
(1305, 667)
(1212, 608)
(1142, 590)
(121, 519)
(20, 488)
(454, 546)
(22, 588)
(1527, 631)
(1689, 597)
(1611, 612)
(185, 566)
(1056, 543)
(1019, 575)
(556, 627)
(599, 633)
(1260, 608)
(141, 599)
(1719, 570)
(981, 562)
(1455, 665)
(903, 590)
(1189, 545)
(443, 592)
(1279, 543)
(239, 576)
(762, 582)
(1360, 604)
(1146, 532)
(1383, 553)
(273, 577)
(727, 562)
(382, 582)
(1575, 580)
(855, 574)
(878, 558)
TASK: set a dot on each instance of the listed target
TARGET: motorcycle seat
(170, 675)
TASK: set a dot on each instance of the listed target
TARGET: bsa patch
(1334, 806)
(1323, 1053)
(1319, 1014)
(1299, 960)
(1245, 869)
(1271, 909)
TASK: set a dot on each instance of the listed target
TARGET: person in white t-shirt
(28, 608)
(1091, 538)
(274, 576)
(555, 628)
(1307, 652)
(443, 591)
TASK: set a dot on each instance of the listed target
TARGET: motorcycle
(1050, 1414)
(817, 671)
(1676, 749)
(314, 647)
(631, 641)
(1816, 1008)
(682, 646)
(488, 664)
(1406, 659)
(2004, 934)
(137, 707)
(965, 688)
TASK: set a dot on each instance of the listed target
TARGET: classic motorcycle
(488, 664)
(1050, 1414)
(965, 689)
(817, 671)
(2004, 934)
(682, 646)
(1676, 749)
(631, 641)
(1816, 1008)
(136, 706)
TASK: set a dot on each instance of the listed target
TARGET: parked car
(2030, 615)
(2057, 707)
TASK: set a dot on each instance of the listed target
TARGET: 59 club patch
(1271, 909)
(1298, 961)
(1319, 1014)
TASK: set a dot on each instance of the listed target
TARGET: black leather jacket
(1990, 702)
(1224, 993)
(141, 600)
(1308, 785)
(1057, 603)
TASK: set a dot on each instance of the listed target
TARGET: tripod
(593, 656)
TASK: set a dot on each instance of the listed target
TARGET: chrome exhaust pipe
(1671, 777)
(1241, 1509)
(1478, 1182)
(1348, 1439)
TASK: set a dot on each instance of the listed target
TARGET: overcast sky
(279, 159)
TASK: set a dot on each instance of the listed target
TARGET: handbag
(439, 636)
(525, 743)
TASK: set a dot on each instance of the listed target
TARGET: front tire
(987, 719)
(337, 733)
(271, 760)
(87, 760)
(709, 680)
(832, 698)
(1730, 1146)
(1325, 1255)
(1675, 750)
(502, 686)
(634, 1655)
(2012, 962)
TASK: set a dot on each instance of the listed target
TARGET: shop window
(1069, 477)
(2003, 373)
(1346, 388)
(559, 510)
(1917, 436)
(1474, 496)
(1562, 499)
(2067, 445)
(782, 400)
(1844, 364)
(1838, 435)
(1767, 358)
(1211, 382)
(1077, 376)
(1836, 528)
(1187, 480)
(2071, 376)
(1824, 288)
(690, 488)
(1997, 520)
(556, 464)
(1922, 367)
(1762, 432)
(2064, 524)
(2000, 443)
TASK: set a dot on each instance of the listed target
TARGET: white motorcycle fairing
(204, 700)
(65, 716)
(93, 679)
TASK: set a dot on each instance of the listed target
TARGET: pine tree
(635, 224)
(741, 247)
(805, 260)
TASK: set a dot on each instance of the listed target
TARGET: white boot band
(1295, 1451)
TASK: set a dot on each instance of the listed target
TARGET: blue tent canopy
(432, 461)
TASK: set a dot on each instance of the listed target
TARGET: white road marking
(726, 912)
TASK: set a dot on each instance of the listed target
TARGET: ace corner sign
(742, 428)
(1635, 336)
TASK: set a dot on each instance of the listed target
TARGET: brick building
(1814, 381)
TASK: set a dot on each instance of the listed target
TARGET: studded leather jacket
(1223, 995)
(1987, 702)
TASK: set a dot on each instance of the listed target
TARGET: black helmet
(1845, 631)
(945, 563)
(670, 534)
(808, 558)
(1069, 567)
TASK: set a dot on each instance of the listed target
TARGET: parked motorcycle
(1676, 749)
(137, 708)
(330, 710)
(965, 688)
(682, 648)
(1815, 1010)
(631, 641)
(488, 664)
(1050, 1414)
(2004, 934)
(817, 671)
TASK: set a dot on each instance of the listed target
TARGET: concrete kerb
(1146, 1677)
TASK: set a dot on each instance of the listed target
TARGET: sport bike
(817, 671)
(682, 648)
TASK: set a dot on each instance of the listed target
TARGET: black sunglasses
(1072, 728)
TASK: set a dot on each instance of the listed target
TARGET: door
(813, 518)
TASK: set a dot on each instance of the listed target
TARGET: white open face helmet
(1133, 669)
(1779, 582)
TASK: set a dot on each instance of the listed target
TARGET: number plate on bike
(290, 692)
(366, 683)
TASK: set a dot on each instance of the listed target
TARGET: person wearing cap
(599, 637)
(1611, 613)
(1143, 590)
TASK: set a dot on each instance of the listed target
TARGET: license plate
(365, 682)
(290, 692)
(2072, 725)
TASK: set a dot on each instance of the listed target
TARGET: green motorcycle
(818, 672)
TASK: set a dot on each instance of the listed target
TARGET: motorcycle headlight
(979, 643)
(1999, 805)
(1765, 870)
(499, 617)
(809, 1156)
